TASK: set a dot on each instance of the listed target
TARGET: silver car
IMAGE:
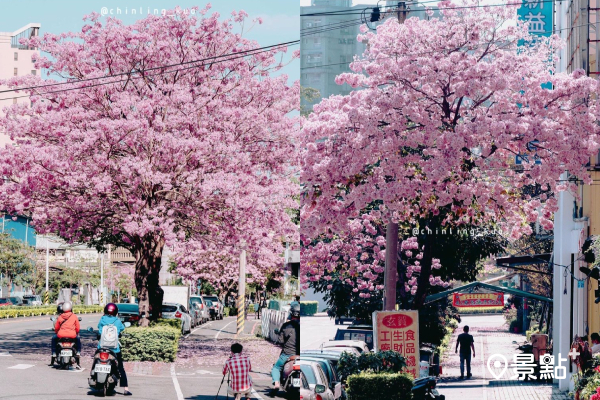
(202, 309)
(316, 378)
(176, 310)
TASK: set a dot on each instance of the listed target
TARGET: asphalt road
(317, 330)
(196, 375)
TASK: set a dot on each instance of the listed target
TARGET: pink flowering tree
(168, 151)
(431, 140)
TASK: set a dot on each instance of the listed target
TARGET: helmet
(67, 306)
(59, 309)
(111, 309)
(295, 311)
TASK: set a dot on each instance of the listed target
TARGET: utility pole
(391, 234)
(241, 303)
(101, 279)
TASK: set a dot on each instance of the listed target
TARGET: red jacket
(67, 325)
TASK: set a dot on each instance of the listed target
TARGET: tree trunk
(148, 256)
(426, 263)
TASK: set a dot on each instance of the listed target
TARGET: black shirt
(289, 335)
(465, 340)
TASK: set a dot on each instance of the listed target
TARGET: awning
(473, 286)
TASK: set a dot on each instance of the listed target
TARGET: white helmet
(67, 306)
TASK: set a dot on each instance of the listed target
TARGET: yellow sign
(399, 331)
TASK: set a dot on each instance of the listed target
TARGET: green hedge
(229, 311)
(15, 312)
(155, 343)
(381, 362)
(173, 323)
(370, 386)
(309, 307)
(480, 310)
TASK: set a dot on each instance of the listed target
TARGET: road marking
(5, 354)
(254, 327)
(202, 327)
(176, 383)
(483, 365)
(77, 370)
(218, 333)
(255, 394)
(21, 366)
(203, 372)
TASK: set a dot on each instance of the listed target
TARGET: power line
(232, 56)
(332, 29)
(328, 25)
(244, 53)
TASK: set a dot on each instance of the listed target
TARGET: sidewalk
(491, 337)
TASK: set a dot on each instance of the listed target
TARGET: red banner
(478, 300)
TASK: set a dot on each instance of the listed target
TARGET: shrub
(174, 323)
(382, 361)
(15, 312)
(370, 386)
(229, 311)
(514, 324)
(309, 307)
(155, 343)
(251, 308)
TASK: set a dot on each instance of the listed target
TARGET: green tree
(17, 261)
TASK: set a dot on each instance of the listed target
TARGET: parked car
(129, 312)
(176, 310)
(196, 315)
(317, 380)
(216, 302)
(213, 309)
(16, 301)
(357, 344)
(203, 313)
(334, 350)
(356, 332)
(335, 383)
(33, 300)
(5, 302)
(305, 391)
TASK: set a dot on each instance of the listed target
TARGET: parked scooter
(424, 389)
(66, 354)
(105, 367)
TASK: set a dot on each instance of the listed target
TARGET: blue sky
(281, 21)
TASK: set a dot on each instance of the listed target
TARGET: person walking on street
(467, 343)
(595, 343)
(239, 366)
(289, 335)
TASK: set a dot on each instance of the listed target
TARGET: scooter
(105, 369)
(65, 350)
(290, 380)
(424, 389)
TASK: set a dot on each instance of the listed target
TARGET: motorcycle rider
(66, 326)
(110, 318)
(289, 335)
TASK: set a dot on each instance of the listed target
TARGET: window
(33, 72)
(16, 56)
(345, 31)
(16, 71)
(317, 42)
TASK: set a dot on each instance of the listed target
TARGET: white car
(359, 345)
(32, 300)
(176, 310)
(215, 300)
(203, 312)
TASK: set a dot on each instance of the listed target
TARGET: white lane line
(176, 383)
(77, 370)
(255, 394)
(5, 354)
(202, 327)
(218, 333)
(483, 365)
(21, 366)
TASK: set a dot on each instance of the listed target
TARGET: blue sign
(539, 14)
